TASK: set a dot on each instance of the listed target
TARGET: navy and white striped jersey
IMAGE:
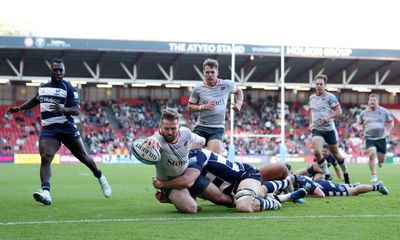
(305, 182)
(332, 189)
(225, 174)
(56, 93)
(329, 188)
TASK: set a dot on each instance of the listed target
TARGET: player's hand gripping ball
(144, 153)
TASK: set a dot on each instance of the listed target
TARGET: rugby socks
(267, 204)
(98, 174)
(46, 186)
(345, 173)
(273, 186)
(376, 187)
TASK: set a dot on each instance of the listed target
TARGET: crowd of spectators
(110, 127)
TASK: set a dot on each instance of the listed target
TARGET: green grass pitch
(79, 210)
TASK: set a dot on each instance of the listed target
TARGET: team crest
(192, 160)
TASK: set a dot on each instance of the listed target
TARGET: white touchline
(196, 218)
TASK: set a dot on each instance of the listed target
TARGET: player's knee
(245, 205)
(188, 208)
(46, 157)
(245, 199)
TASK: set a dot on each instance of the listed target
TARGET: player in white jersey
(324, 109)
(59, 101)
(375, 123)
(174, 142)
(209, 98)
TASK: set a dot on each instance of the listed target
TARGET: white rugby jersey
(322, 106)
(374, 122)
(174, 156)
(61, 93)
(219, 94)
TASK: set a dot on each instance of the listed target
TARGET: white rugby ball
(145, 154)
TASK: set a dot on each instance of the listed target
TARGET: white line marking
(196, 218)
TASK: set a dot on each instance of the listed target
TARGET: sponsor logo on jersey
(49, 100)
(176, 162)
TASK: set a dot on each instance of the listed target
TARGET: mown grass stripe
(197, 218)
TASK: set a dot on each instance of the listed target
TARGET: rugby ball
(145, 154)
(273, 171)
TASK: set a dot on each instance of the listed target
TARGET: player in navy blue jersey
(59, 101)
(325, 188)
(239, 180)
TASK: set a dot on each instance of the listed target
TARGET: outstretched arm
(27, 105)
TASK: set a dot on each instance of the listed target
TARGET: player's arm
(389, 126)
(195, 107)
(27, 105)
(336, 112)
(310, 125)
(74, 110)
(237, 106)
(302, 171)
(186, 180)
(197, 141)
(153, 142)
(316, 193)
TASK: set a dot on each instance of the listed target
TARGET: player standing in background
(324, 109)
(375, 123)
(314, 168)
(58, 101)
(210, 99)
(174, 142)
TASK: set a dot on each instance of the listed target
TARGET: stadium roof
(95, 61)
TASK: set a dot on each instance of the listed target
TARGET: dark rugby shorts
(330, 137)
(209, 133)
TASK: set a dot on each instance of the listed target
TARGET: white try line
(195, 218)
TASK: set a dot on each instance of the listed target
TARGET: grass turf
(79, 210)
